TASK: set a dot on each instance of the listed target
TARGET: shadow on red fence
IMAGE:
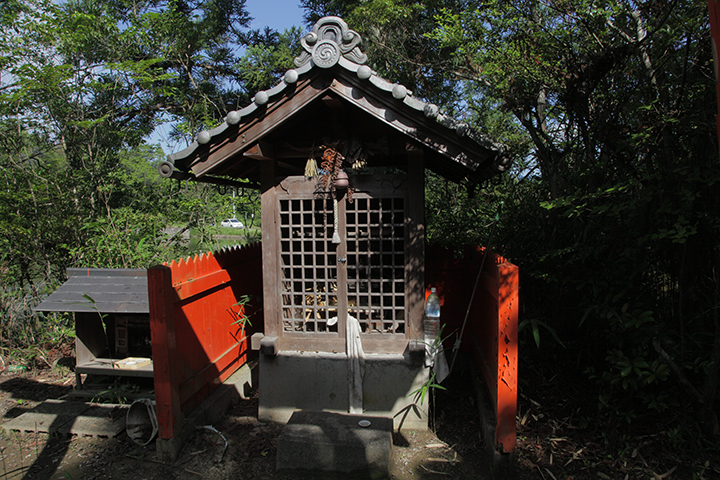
(199, 338)
(491, 333)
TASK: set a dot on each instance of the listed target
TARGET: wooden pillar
(415, 238)
(270, 247)
(507, 359)
(161, 297)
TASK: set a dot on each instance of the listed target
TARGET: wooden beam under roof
(379, 106)
(276, 114)
(260, 151)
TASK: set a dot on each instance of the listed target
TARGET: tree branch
(681, 377)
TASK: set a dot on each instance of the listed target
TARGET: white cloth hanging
(356, 365)
(336, 222)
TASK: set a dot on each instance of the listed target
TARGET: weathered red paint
(197, 343)
(714, 11)
(508, 285)
(491, 336)
(164, 348)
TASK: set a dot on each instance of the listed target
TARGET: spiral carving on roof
(330, 39)
(326, 54)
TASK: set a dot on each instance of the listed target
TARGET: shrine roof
(331, 87)
(100, 290)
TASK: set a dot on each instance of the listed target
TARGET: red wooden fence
(714, 11)
(197, 339)
(491, 334)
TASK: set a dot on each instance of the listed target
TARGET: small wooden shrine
(112, 326)
(340, 155)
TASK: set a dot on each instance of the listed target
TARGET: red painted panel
(714, 11)
(162, 335)
(491, 332)
(196, 343)
(507, 360)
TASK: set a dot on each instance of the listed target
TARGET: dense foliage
(607, 105)
(611, 210)
(83, 83)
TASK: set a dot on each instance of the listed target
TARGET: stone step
(323, 442)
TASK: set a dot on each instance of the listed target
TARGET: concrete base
(209, 411)
(324, 442)
(315, 381)
(76, 418)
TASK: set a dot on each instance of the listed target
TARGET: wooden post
(415, 247)
(164, 348)
(507, 355)
(270, 249)
(715, 33)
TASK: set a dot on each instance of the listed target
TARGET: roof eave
(482, 157)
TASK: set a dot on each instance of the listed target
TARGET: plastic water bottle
(432, 314)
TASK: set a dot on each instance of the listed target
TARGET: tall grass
(25, 334)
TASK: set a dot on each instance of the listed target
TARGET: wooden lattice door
(375, 243)
(364, 275)
(308, 264)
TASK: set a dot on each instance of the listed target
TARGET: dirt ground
(552, 444)
(455, 451)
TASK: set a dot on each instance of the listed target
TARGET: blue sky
(277, 14)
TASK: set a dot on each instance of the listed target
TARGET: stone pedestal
(358, 446)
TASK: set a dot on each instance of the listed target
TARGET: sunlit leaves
(267, 58)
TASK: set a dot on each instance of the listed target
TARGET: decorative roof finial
(330, 39)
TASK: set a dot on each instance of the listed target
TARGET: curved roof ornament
(330, 39)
